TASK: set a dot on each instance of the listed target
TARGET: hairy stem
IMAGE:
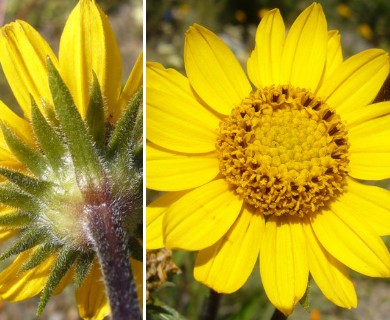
(210, 311)
(111, 247)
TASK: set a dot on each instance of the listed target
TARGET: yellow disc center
(284, 151)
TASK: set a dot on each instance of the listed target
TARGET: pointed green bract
(27, 240)
(17, 199)
(129, 126)
(51, 144)
(31, 185)
(44, 251)
(16, 219)
(33, 160)
(305, 300)
(95, 116)
(62, 265)
(83, 264)
(84, 155)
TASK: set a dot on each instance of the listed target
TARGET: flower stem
(210, 311)
(277, 315)
(114, 258)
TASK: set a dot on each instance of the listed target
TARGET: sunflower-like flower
(71, 167)
(272, 170)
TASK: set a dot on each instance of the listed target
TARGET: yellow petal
(369, 165)
(351, 241)
(154, 219)
(133, 83)
(7, 233)
(137, 269)
(370, 204)
(226, 265)
(329, 274)
(283, 262)
(356, 81)
(201, 217)
(213, 70)
(168, 171)
(366, 113)
(265, 60)
(23, 58)
(334, 57)
(91, 296)
(18, 125)
(371, 136)
(370, 149)
(304, 52)
(176, 120)
(88, 44)
(14, 287)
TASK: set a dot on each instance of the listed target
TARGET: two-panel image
(183, 159)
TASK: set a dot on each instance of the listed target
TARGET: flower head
(270, 169)
(73, 160)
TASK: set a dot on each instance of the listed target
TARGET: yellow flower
(43, 198)
(271, 171)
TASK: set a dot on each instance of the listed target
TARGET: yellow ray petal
(304, 52)
(154, 218)
(213, 70)
(15, 287)
(137, 269)
(168, 171)
(371, 136)
(176, 120)
(351, 241)
(133, 83)
(7, 233)
(226, 265)
(91, 297)
(356, 81)
(366, 113)
(23, 58)
(18, 125)
(370, 149)
(201, 217)
(369, 165)
(370, 204)
(283, 262)
(88, 44)
(330, 275)
(334, 56)
(265, 60)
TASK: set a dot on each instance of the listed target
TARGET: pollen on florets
(284, 151)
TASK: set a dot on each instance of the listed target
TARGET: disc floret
(284, 151)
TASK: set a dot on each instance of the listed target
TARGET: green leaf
(129, 127)
(17, 199)
(136, 250)
(30, 157)
(83, 264)
(31, 185)
(84, 155)
(27, 240)
(51, 144)
(62, 265)
(16, 219)
(95, 116)
(44, 251)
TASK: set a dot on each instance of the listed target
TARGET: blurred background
(363, 24)
(49, 18)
